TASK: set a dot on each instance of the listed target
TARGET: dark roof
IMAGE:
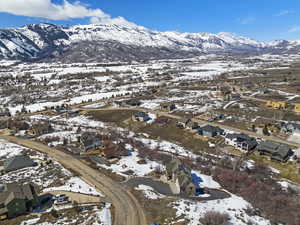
(181, 172)
(133, 102)
(141, 114)
(274, 148)
(16, 191)
(242, 138)
(212, 129)
(18, 162)
(90, 139)
(295, 126)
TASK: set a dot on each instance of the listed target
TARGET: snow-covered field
(131, 163)
(149, 192)
(75, 184)
(234, 206)
(8, 149)
(294, 138)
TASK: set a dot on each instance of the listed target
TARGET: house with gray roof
(90, 141)
(184, 123)
(241, 142)
(18, 162)
(293, 128)
(181, 175)
(210, 131)
(17, 199)
(141, 116)
(276, 151)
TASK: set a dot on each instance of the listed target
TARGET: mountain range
(124, 41)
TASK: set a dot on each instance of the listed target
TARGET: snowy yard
(8, 150)
(234, 206)
(149, 192)
(75, 184)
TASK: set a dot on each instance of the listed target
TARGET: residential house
(4, 112)
(73, 112)
(133, 102)
(276, 105)
(210, 131)
(168, 107)
(241, 142)
(276, 151)
(3, 124)
(293, 128)
(17, 199)
(185, 123)
(90, 141)
(17, 124)
(297, 108)
(181, 176)
(39, 129)
(141, 116)
(18, 162)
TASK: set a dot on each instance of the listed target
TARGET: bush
(215, 218)
(264, 193)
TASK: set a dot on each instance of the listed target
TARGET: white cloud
(246, 20)
(48, 10)
(284, 12)
(294, 29)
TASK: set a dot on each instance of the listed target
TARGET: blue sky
(259, 19)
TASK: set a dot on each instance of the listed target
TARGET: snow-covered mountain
(123, 40)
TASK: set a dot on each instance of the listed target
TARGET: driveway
(164, 189)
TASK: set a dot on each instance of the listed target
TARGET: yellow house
(276, 105)
(269, 104)
(297, 108)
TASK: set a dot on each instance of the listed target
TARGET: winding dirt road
(127, 210)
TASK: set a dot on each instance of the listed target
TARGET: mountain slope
(123, 41)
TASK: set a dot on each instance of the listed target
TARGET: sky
(263, 20)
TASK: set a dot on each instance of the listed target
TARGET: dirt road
(127, 210)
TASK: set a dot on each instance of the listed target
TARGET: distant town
(164, 142)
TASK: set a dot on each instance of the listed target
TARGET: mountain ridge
(124, 41)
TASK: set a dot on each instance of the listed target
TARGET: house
(39, 129)
(17, 124)
(3, 124)
(73, 112)
(224, 93)
(241, 142)
(4, 112)
(18, 162)
(276, 105)
(276, 151)
(180, 175)
(133, 102)
(184, 123)
(168, 107)
(297, 108)
(89, 141)
(141, 116)
(17, 199)
(210, 131)
(293, 128)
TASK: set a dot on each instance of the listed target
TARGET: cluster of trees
(264, 193)
(215, 218)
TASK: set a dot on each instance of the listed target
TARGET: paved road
(127, 210)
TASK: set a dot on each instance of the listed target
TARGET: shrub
(215, 218)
